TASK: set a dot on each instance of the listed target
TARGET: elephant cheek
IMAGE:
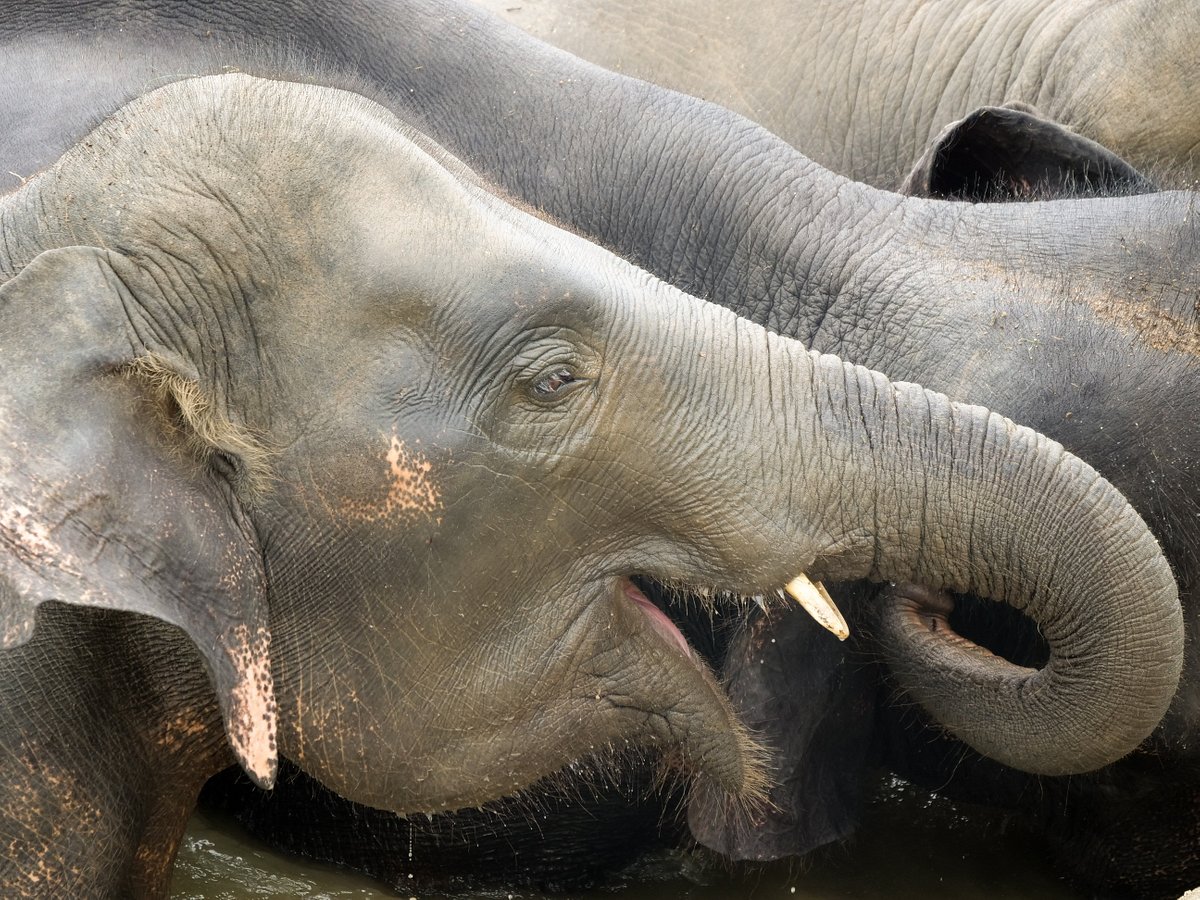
(404, 490)
(458, 733)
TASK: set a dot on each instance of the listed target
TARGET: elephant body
(863, 87)
(1074, 317)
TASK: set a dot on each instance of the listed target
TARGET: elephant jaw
(653, 693)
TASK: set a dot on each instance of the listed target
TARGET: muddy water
(910, 848)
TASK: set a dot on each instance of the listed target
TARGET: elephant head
(392, 452)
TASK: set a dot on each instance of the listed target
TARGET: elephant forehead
(407, 491)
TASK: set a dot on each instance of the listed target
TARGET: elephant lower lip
(658, 619)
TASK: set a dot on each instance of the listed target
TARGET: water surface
(911, 848)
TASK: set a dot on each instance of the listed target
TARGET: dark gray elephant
(1077, 316)
(862, 87)
(390, 476)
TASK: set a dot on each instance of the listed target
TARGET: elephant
(863, 87)
(1074, 317)
(400, 553)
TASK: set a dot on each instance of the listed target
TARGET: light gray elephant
(863, 87)
(369, 453)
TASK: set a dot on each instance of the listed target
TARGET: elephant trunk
(964, 500)
(833, 470)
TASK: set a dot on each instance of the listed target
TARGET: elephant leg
(105, 750)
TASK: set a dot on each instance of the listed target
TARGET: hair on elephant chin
(204, 432)
(743, 812)
(658, 772)
(1170, 175)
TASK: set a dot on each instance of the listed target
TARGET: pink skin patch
(251, 716)
(411, 492)
(663, 625)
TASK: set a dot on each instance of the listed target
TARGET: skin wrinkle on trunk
(994, 513)
(1010, 525)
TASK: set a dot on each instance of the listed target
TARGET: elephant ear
(1000, 153)
(104, 499)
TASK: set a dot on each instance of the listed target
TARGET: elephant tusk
(818, 604)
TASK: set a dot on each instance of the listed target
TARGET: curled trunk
(964, 500)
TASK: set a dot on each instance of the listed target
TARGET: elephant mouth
(660, 619)
(672, 612)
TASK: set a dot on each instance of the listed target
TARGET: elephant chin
(738, 789)
(698, 739)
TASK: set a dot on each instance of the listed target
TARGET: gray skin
(389, 476)
(1075, 316)
(862, 87)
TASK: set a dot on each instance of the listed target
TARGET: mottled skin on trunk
(862, 87)
(1073, 315)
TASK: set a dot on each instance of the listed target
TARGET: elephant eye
(555, 383)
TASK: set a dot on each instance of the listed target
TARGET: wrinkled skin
(403, 546)
(1067, 308)
(862, 87)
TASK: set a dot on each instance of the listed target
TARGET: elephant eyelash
(556, 383)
